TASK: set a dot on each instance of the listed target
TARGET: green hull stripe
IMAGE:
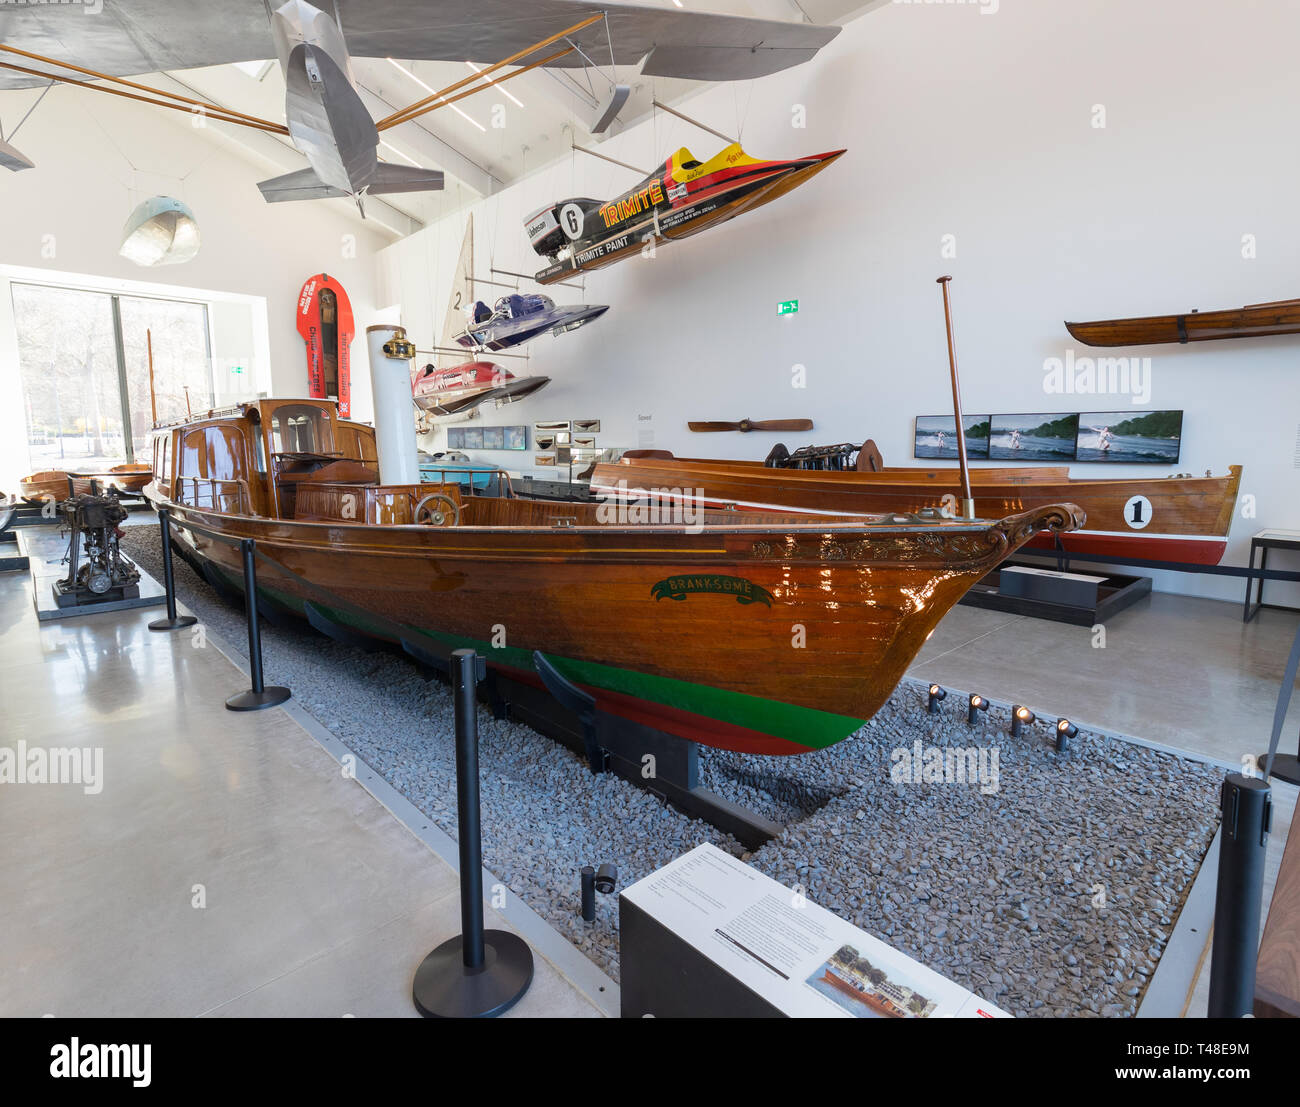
(804, 727)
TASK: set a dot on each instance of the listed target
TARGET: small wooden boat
(129, 478)
(37, 487)
(1251, 321)
(1183, 519)
(685, 625)
(682, 197)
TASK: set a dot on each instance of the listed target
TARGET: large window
(85, 367)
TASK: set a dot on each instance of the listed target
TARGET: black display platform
(1114, 594)
(533, 488)
(11, 557)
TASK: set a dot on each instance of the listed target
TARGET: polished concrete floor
(227, 867)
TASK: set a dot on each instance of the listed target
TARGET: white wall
(969, 124)
(97, 157)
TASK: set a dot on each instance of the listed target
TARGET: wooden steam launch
(635, 614)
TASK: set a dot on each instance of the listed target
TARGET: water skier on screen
(1103, 438)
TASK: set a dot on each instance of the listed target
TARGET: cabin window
(194, 455)
(161, 442)
(301, 429)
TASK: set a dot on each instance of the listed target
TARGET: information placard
(798, 957)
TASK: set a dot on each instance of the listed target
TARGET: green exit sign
(787, 307)
(237, 369)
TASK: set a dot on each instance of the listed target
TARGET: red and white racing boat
(464, 387)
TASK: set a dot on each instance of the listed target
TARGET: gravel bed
(1051, 890)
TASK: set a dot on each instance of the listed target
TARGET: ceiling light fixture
(504, 90)
(468, 118)
(160, 231)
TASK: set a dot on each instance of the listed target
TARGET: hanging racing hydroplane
(518, 318)
(465, 387)
(681, 198)
(325, 116)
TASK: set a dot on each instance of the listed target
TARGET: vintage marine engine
(97, 570)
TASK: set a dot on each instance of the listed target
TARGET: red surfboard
(325, 323)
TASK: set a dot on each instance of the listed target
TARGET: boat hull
(1184, 519)
(37, 487)
(1253, 321)
(706, 209)
(747, 638)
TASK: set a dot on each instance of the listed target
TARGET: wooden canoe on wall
(1183, 519)
(1251, 321)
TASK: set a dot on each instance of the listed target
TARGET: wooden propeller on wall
(747, 425)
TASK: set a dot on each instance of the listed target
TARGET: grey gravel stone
(1012, 877)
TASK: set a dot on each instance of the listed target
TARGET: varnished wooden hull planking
(1187, 521)
(130, 478)
(697, 634)
(36, 487)
(1252, 321)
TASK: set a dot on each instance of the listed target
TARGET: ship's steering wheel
(436, 517)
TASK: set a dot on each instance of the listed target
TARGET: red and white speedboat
(464, 387)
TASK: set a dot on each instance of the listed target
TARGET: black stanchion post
(260, 696)
(1247, 807)
(478, 973)
(173, 621)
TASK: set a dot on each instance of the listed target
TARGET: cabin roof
(234, 411)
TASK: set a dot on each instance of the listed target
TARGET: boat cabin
(297, 460)
(288, 459)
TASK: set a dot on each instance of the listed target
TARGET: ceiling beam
(282, 156)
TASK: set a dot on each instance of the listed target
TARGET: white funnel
(390, 379)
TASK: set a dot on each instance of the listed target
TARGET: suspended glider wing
(146, 36)
(404, 178)
(11, 158)
(301, 184)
